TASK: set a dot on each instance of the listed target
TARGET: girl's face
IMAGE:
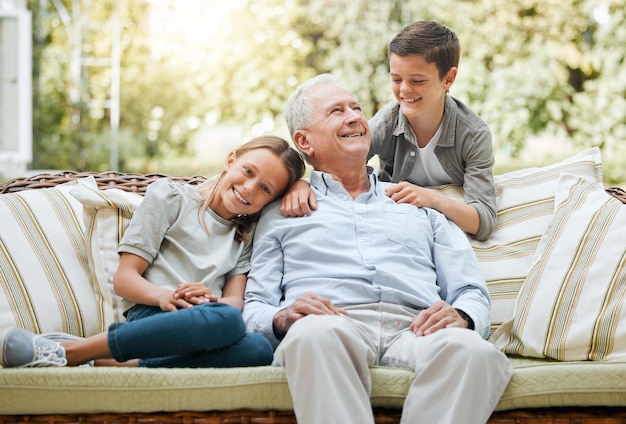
(251, 181)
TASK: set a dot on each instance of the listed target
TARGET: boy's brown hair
(433, 41)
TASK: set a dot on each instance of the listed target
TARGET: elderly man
(365, 281)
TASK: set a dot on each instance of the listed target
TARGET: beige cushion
(525, 206)
(107, 214)
(572, 304)
(45, 283)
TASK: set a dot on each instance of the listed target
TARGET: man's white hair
(298, 112)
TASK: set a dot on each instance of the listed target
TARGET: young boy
(426, 137)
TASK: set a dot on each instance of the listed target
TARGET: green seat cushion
(535, 383)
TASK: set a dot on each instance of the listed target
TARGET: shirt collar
(325, 182)
(447, 125)
(403, 127)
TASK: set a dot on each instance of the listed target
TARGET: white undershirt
(427, 170)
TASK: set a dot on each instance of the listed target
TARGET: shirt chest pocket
(407, 225)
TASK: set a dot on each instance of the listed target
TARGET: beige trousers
(459, 376)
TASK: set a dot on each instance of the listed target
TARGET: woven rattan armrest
(136, 183)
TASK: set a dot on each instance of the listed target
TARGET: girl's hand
(194, 293)
(299, 200)
(168, 303)
(129, 283)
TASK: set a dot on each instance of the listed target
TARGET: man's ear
(302, 142)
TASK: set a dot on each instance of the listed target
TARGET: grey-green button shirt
(464, 150)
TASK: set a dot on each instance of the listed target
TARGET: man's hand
(439, 315)
(308, 304)
(299, 200)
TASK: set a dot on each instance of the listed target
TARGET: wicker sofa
(542, 390)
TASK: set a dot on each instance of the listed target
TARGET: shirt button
(412, 154)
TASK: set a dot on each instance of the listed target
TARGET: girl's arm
(299, 200)
(233, 291)
(129, 283)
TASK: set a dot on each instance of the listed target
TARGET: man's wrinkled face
(337, 129)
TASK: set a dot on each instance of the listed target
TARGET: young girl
(182, 273)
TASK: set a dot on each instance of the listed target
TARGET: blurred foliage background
(199, 77)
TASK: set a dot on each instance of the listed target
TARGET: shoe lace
(46, 355)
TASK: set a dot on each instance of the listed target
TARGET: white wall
(15, 88)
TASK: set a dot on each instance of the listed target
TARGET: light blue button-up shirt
(367, 250)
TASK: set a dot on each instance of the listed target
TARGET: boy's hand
(299, 200)
(406, 192)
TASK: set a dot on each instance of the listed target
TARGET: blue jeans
(208, 335)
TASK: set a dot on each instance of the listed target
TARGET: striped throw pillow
(572, 305)
(525, 207)
(107, 214)
(45, 280)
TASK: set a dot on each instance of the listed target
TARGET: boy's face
(417, 87)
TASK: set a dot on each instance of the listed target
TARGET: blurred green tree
(554, 68)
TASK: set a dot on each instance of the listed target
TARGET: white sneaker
(21, 348)
(61, 337)
(65, 337)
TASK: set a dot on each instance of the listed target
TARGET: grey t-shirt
(166, 231)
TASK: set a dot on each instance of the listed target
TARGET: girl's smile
(251, 181)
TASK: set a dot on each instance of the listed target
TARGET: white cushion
(572, 304)
(525, 206)
(107, 214)
(45, 280)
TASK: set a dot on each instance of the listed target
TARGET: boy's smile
(417, 87)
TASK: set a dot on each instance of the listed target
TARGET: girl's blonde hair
(291, 160)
